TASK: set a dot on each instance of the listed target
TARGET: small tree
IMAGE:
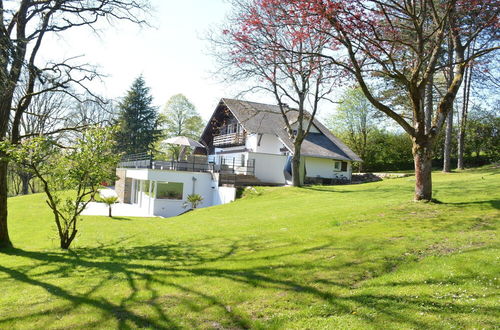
(109, 201)
(25, 26)
(194, 200)
(70, 177)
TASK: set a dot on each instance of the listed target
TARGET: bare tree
(44, 115)
(24, 26)
(275, 50)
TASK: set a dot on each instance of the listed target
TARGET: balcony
(231, 139)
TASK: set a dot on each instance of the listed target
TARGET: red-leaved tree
(275, 48)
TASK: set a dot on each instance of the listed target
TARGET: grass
(360, 256)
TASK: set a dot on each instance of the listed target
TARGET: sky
(172, 55)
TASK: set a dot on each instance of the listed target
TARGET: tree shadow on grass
(145, 269)
(495, 203)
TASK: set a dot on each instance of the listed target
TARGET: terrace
(191, 164)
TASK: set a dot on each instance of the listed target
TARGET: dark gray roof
(267, 119)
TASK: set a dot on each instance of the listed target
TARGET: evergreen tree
(138, 120)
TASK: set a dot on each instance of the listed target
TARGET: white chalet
(246, 144)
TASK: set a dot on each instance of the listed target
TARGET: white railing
(229, 139)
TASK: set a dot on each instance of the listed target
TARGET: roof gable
(267, 119)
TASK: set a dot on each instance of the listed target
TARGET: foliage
(193, 200)
(483, 135)
(80, 169)
(377, 42)
(278, 53)
(345, 257)
(138, 120)
(25, 27)
(355, 119)
(180, 118)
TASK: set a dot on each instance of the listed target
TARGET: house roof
(267, 119)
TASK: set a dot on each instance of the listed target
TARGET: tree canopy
(138, 120)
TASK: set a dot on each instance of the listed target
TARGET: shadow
(121, 218)
(155, 276)
(495, 203)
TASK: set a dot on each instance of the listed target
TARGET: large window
(169, 190)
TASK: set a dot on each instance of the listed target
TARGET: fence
(235, 165)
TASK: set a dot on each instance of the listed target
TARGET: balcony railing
(193, 164)
(231, 139)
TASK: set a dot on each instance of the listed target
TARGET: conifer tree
(138, 120)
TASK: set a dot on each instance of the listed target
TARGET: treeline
(384, 148)
(139, 125)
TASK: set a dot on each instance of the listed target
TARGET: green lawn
(360, 256)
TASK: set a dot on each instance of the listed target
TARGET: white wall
(168, 207)
(203, 186)
(269, 144)
(223, 195)
(268, 167)
(251, 141)
(324, 167)
(304, 126)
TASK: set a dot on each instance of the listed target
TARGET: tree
(180, 118)
(483, 132)
(276, 50)
(402, 42)
(71, 176)
(193, 200)
(23, 28)
(138, 120)
(449, 119)
(109, 201)
(44, 116)
(355, 120)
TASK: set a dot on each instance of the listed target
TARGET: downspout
(194, 183)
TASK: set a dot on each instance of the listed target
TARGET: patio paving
(118, 209)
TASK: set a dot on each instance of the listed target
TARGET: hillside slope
(360, 256)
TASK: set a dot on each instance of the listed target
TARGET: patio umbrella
(183, 141)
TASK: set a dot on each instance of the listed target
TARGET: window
(344, 166)
(145, 188)
(336, 165)
(169, 190)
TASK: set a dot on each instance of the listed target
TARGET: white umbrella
(183, 141)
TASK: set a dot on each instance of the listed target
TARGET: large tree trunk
(422, 156)
(296, 177)
(4, 232)
(447, 143)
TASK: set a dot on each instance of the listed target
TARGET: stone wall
(123, 186)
